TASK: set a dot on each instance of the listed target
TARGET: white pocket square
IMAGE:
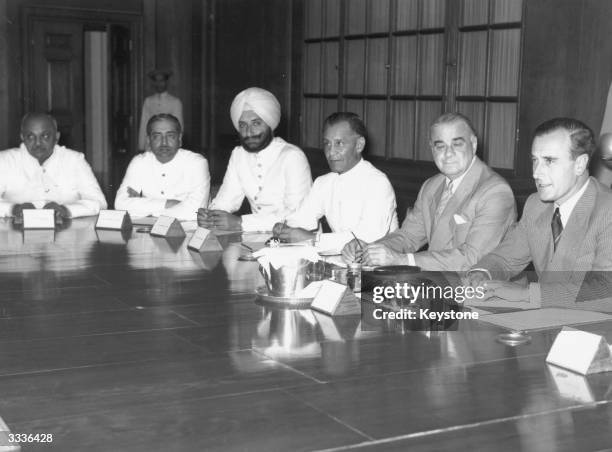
(459, 219)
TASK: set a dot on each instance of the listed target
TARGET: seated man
(41, 174)
(273, 174)
(565, 229)
(462, 213)
(355, 197)
(165, 180)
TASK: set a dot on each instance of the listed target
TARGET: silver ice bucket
(289, 279)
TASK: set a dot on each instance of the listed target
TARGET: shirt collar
(458, 180)
(354, 171)
(167, 164)
(269, 153)
(567, 207)
(24, 151)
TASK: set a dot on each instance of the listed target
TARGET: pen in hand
(359, 257)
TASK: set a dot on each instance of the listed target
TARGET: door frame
(132, 21)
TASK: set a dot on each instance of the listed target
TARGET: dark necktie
(557, 227)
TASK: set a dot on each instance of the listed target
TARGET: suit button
(162, 192)
(164, 175)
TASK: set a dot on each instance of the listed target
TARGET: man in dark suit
(565, 230)
(461, 213)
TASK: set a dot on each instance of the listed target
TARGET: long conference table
(115, 342)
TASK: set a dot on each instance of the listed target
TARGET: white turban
(260, 101)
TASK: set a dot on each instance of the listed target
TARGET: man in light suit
(462, 213)
(565, 230)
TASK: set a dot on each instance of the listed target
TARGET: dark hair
(164, 117)
(450, 117)
(37, 115)
(581, 136)
(353, 120)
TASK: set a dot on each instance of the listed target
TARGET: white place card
(580, 351)
(39, 219)
(204, 240)
(336, 299)
(114, 220)
(571, 385)
(5, 446)
(167, 227)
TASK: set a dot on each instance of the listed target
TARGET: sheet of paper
(336, 260)
(543, 318)
(189, 225)
(496, 302)
(144, 221)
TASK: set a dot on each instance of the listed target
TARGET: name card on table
(336, 299)
(580, 351)
(39, 219)
(167, 227)
(117, 220)
(203, 240)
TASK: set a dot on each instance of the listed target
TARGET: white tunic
(184, 178)
(275, 180)
(361, 201)
(65, 178)
(154, 105)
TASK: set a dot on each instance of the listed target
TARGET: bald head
(39, 135)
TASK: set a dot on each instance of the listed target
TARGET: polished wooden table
(142, 345)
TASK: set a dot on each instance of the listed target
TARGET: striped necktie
(557, 227)
(446, 196)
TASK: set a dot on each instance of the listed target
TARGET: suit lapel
(434, 200)
(542, 235)
(442, 230)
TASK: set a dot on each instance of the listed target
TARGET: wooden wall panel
(475, 12)
(376, 120)
(355, 17)
(379, 15)
(404, 71)
(431, 54)
(402, 130)
(377, 66)
(354, 64)
(4, 77)
(472, 71)
(406, 18)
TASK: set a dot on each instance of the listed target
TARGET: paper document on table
(220, 232)
(144, 221)
(495, 302)
(336, 260)
(543, 318)
(189, 225)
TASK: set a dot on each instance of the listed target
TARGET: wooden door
(55, 76)
(122, 121)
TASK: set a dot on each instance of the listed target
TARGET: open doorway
(82, 67)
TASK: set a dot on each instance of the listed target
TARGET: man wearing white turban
(273, 174)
